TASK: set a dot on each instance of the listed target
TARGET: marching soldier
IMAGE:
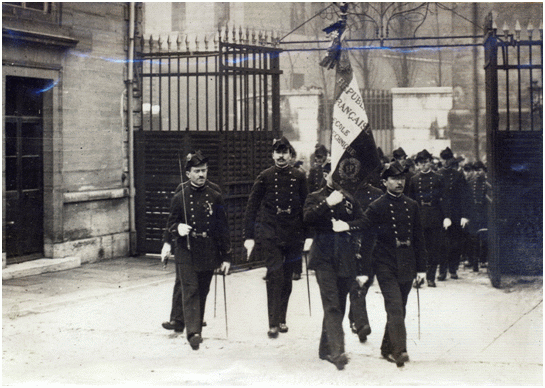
(479, 217)
(176, 321)
(398, 258)
(426, 188)
(198, 223)
(315, 175)
(333, 259)
(456, 205)
(357, 315)
(278, 194)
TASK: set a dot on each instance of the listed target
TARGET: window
(42, 7)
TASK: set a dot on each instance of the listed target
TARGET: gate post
(492, 122)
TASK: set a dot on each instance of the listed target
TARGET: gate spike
(196, 42)
(530, 30)
(505, 29)
(541, 31)
(168, 43)
(216, 41)
(253, 35)
(518, 29)
(226, 37)
(247, 41)
(179, 42)
(150, 43)
(186, 42)
(234, 31)
(206, 43)
(160, 43)
(240, 35)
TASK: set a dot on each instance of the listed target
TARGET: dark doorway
(24, 226)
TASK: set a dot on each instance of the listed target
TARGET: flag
(354, 154)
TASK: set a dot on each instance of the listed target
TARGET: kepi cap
(423, 155)
(393, 169)
(281, 144)
(195, 159)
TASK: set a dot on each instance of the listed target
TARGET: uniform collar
(393, 196)
(197, 188)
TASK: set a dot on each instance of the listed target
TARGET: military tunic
(209, 245)
(277, 195)
(176, 312)
(365, 194)
(333, 258)
(315, 178)
(456, 204)
(400, 253)
(427, 188)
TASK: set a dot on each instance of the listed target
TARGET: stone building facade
(65, 171)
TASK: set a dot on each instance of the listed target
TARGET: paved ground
(100, 324)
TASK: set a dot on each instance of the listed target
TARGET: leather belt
(406, 243)
(195, 234)
(280, 211)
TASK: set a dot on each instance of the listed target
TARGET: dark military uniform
(333, 258)
(209, 246)
(278, 195)
(400, 253)
(479, 220)
(456, 205)
(426, 188)
(176, 312)
(315, 178)
(364, 195)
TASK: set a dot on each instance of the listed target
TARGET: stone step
(36, 267)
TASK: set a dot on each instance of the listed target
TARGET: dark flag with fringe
(354, 154)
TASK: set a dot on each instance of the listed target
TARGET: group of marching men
(390, 227)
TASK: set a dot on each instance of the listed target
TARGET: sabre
(215, 291)
(418, 301)
(308, 285)
(183, 198)
(225, 304)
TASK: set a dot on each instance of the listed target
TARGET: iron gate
(514, 120)
(225, 102)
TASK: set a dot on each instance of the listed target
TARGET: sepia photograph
(272, 194)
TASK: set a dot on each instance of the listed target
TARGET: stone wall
(420, 118)
(86, 207)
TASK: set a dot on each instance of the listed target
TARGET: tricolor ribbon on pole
(354, 153)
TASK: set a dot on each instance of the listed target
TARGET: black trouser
(452, 250)
(358, 307)
(194, 289)
(433, 237)
(333, 291)
(395, 295)
(280, 262)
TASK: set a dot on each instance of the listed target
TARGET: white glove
(339, 226)
(184, 229)
(165, 252)
(464, 222)
(225, 266)
(308, 244)
(446, 223)
(420, 279)
(249, 245)
(334, 198)
(361, 280)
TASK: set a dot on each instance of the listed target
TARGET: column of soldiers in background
(278, 195)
